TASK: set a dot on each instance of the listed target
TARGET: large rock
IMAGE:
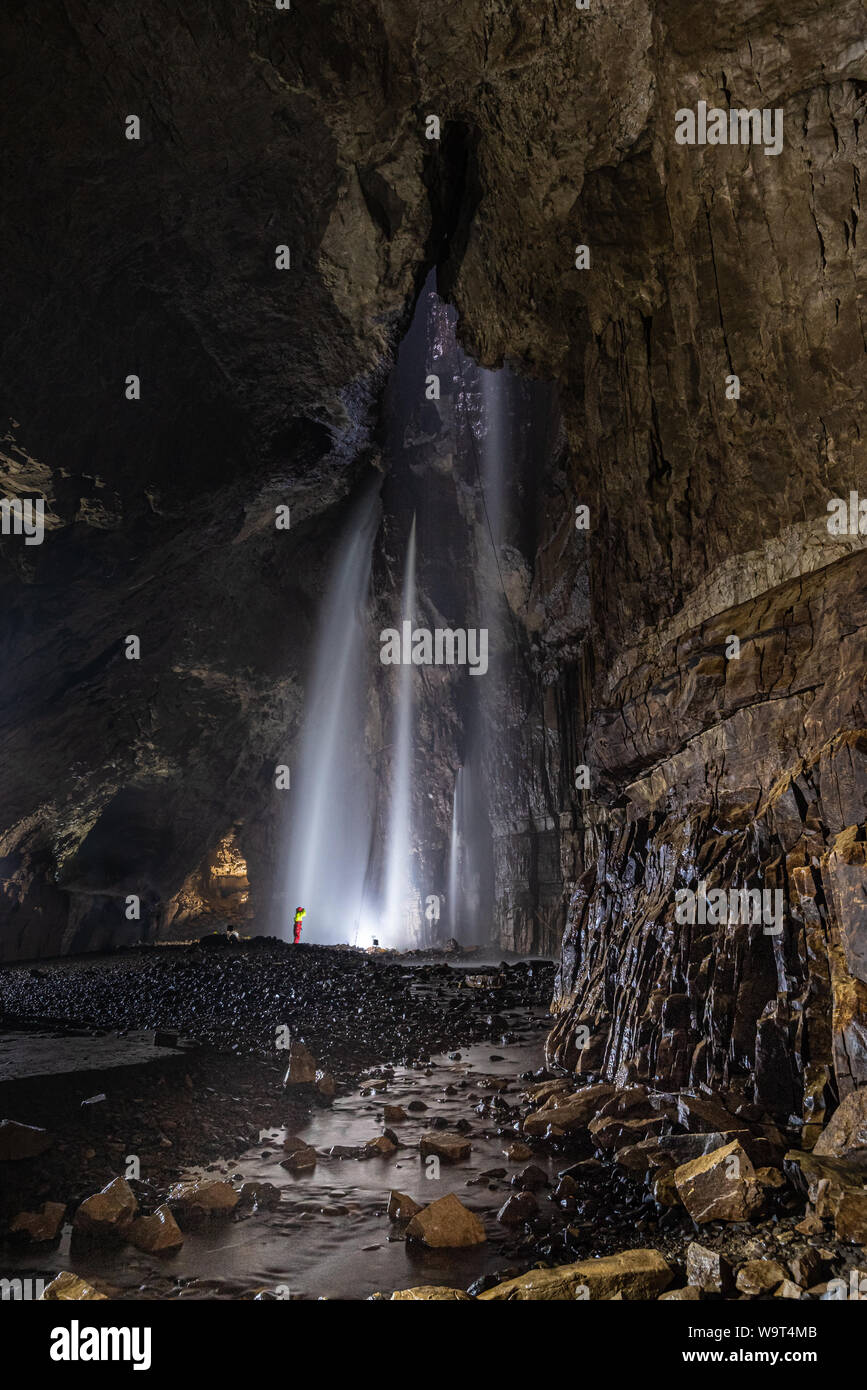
(846, 1131)
(380, 1147)
(325, 1084)
(567, 1112)
(756, 1277)
(301, 1157)
(837, 1189)
(158, 1234)
(39, 1226)
(400, 1206)
(446, 1223)
(430, 1293)
(701, 1114)
(109, 1213)
(634, 1274)
(446, 1146)
(612, 1133)
(518, 1209)
(67, 1285)
(302, 1069)
(720, 1186)
(708, 1269)
(202, 1199)
(850, 1217)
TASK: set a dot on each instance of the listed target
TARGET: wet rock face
(736, 773)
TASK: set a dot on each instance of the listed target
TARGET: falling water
(398, 881)
(331, 797)
(454, 857)
(495, 401)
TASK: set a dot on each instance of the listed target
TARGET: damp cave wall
(708, 515)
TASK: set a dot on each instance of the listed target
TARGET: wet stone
(759, 1276)
(401, 1207)
(39, 1227)
(202, 1198)
(446, 1223)
(67, 1285)
(517, 1210)
(720, 1186)
(158, 1234)
(448, 1148)
(302, 1069)
(708, 1269)
(109, 1213)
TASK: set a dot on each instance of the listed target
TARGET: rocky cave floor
(533, 1176)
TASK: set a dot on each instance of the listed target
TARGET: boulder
(518, 1209)
(518, 1153)
(446, 1224)
(400, 1206)
(530, 1179)
(837, 1188)
(428, 1293)
(300, 1156)
(640, 1158)
(789, 1290)
(812, 1225)
(719, 1186)
(611, 1132)
(707, 1269)
(39, 1227)
(634, 1274)
(324, 1082)
(108, 1213)
(688, 1294)
(846, 1132)
(759, 1276)
(567, 1112)
(628, 1102)
(158, 1234)
(760, 1146)
(806, 1268)
(825, 1179)
(22, 1141)
(206, 1198)
(67, 1285)
(700, 1114)
(393, 1114)
(850, 1217)
(381, 1146)
(446, 1146)
(545, 1089)
(259, 1196)
(302, 1070)
(301, 1161)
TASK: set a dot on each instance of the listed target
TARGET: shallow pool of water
(330, 1236)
